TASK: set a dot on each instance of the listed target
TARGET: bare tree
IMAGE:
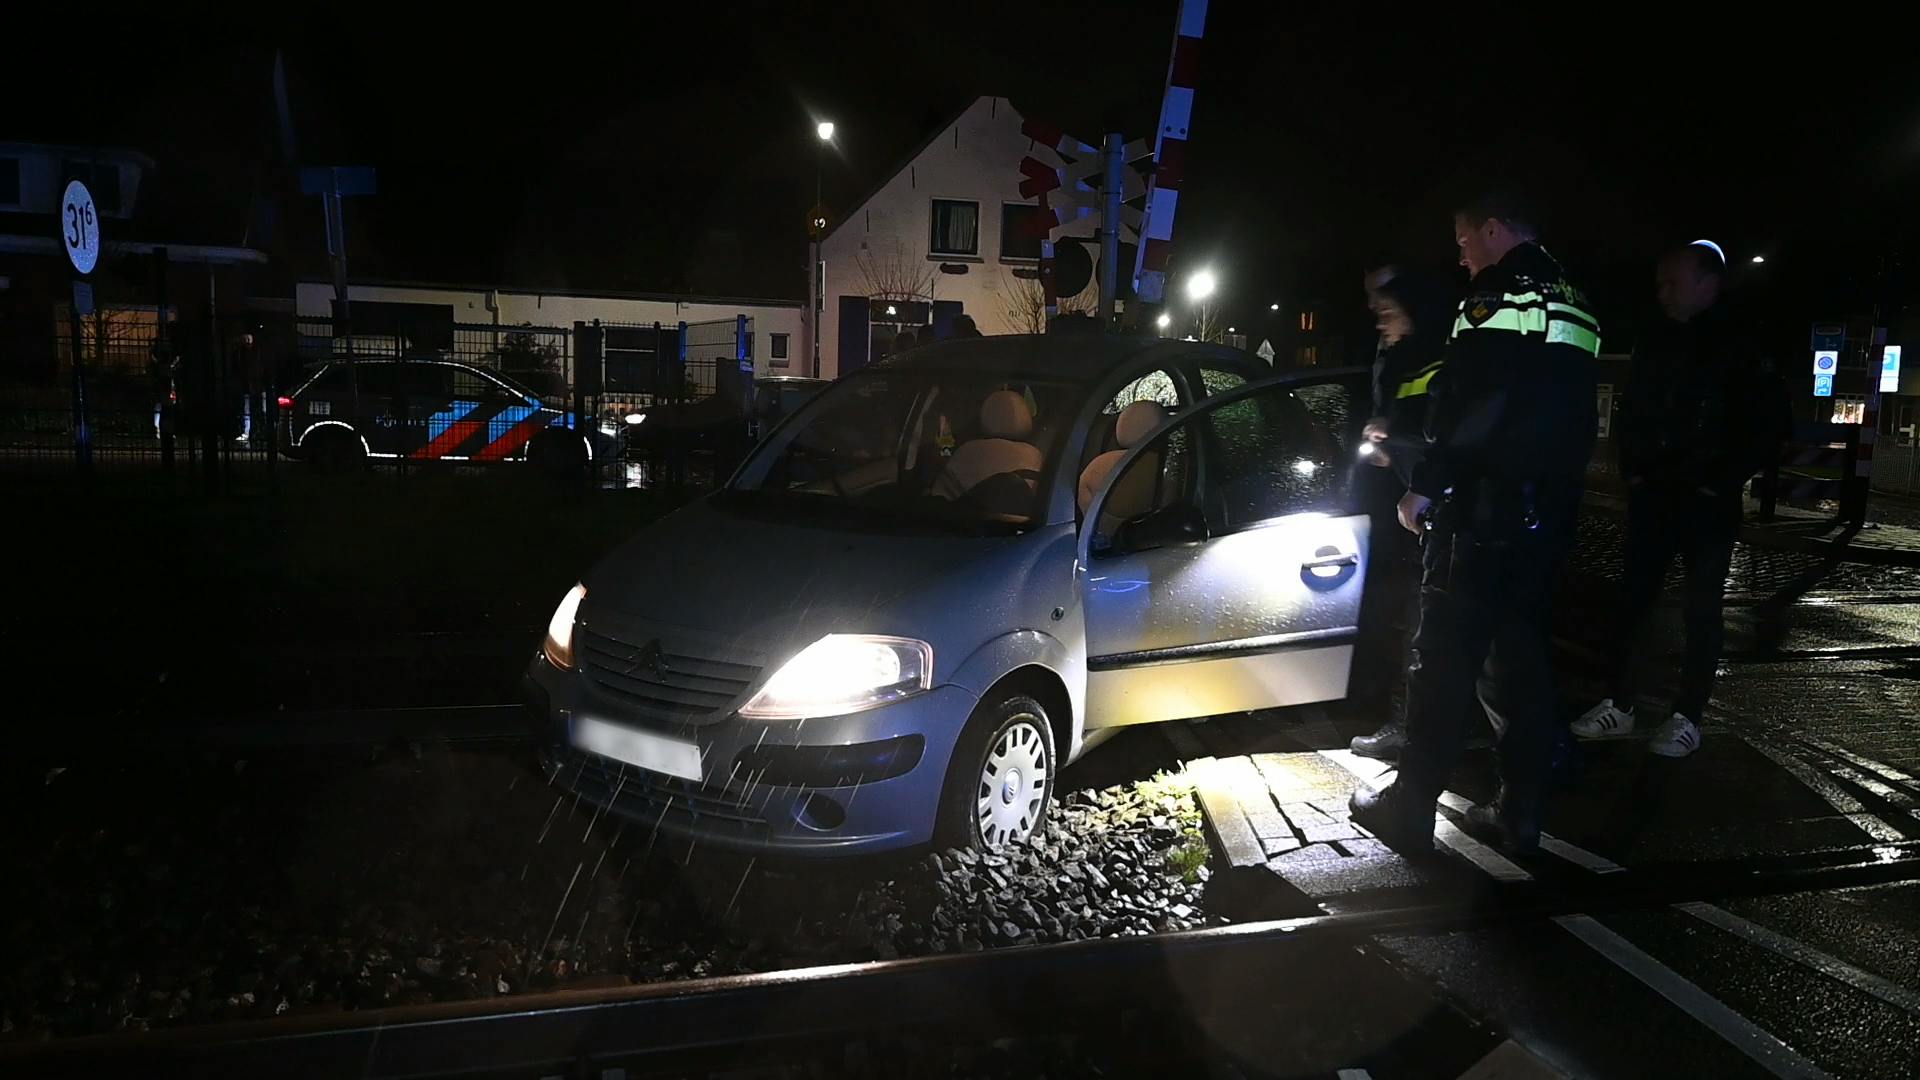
(117, 338)
(1024, 304)
(1208, 324)
(893, 275)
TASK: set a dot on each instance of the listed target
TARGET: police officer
(1496, 495)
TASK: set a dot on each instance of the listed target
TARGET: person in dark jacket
(1414, 316)
(1495, 495)
(1702, 413)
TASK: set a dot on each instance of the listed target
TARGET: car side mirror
(1169, 526)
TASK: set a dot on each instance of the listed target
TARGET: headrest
(1005, 415)
(1136, 421)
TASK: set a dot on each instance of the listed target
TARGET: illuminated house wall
(885, 245)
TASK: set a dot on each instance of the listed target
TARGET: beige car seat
(1133, 496)
(1006, 423)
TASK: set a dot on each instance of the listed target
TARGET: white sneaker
(1678, 737)
(1604, 721)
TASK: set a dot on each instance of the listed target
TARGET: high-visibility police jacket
(1512, 418)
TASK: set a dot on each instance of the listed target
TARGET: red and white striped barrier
(1169, 154)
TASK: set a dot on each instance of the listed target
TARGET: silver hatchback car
(949, 575)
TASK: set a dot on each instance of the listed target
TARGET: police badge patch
(1479, 309)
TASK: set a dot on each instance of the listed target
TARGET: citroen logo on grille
(647, 661)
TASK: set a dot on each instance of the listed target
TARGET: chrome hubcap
(1013, 783)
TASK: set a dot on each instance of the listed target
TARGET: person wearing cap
(1702, 412)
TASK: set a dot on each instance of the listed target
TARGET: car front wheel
(1000, 785)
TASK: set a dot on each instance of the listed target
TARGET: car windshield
(961, 447)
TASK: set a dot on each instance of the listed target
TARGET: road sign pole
(82, 438)
(1110, 227)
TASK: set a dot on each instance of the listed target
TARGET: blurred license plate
(645, 749)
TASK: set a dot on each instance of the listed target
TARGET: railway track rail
(1199, 986)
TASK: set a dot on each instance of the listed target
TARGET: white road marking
(1572, 853)
(1822, 785)
(1831, 966)
(1744, 1035)
(1353, 1074)
(1495, 864)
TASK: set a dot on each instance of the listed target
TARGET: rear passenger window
(1217, 381)
(468, 383)
(425, 380)
(1153, 386)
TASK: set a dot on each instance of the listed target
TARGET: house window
(779, 346)
(1309, 356)
(102, 180)
(1849, 408)
(1019, 236)
(1306, 320)
(956, 228)
(9, 181)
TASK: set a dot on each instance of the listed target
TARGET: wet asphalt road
(1811, 753)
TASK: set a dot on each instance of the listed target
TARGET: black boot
(1396, 817)
(1384, 744)
(1513, 821)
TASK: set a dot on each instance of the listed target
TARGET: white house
(944, 234)
(775, 323)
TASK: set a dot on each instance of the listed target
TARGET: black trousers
(1485, 610)
(1700, 530)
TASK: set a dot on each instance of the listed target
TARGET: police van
(428, 410)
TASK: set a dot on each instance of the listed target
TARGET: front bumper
(839, 786)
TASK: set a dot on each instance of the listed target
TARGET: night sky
(650, 154)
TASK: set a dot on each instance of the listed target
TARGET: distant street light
(1230, 330)
(1165, 320)
(1759, 258)
(1273, 307)
(824, 130)
(1200, 285)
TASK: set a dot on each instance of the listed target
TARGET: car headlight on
(634, 418)
(843, 673)
(559, 643)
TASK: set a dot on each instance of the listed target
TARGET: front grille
(649, 797)
(667, 680)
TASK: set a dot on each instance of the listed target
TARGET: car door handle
(1347, 558)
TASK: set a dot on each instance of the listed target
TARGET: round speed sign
(80, 227)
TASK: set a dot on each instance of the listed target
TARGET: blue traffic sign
(1823, 386)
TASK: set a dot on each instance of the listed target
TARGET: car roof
(1072, 357)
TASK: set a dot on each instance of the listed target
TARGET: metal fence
(199, 400)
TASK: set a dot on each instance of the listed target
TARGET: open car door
(1221, 568)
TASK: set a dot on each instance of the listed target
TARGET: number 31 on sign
(80, 227)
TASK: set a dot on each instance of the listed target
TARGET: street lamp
(1273, 307)
(1200, 285)
(1759, 259)
(816, 224)
(1165, 320)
